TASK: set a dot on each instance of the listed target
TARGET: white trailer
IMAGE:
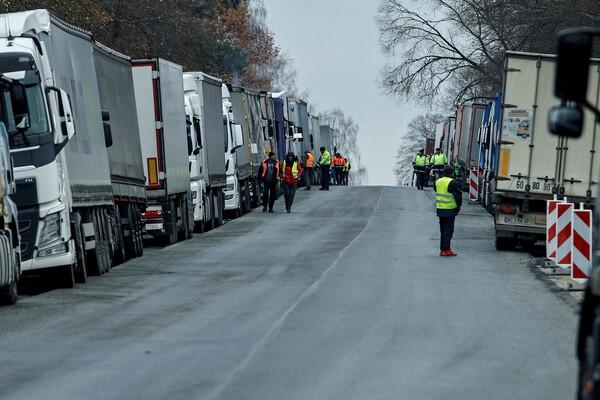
(534, 165)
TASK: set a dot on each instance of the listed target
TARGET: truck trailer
(533, 165)
(161, 117)
(64, 188)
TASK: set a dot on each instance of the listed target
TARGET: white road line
(218, 390)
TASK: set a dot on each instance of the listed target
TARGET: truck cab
(235, 140)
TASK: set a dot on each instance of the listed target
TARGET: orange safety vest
(264, 169)
(339, 161)
(310, 160)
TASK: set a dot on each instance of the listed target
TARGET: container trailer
(64, 204)
(161, 117)
(207, 142)
(533, 165)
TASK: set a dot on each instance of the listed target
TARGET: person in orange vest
(269, 174)
(309, 167)
(291, 171)
(338, 165)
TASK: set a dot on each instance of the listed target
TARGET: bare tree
(419, 129)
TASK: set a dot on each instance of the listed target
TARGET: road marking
(218, 390)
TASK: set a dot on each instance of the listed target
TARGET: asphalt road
(345, 298)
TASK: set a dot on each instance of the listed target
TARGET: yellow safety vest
(444, 200)
(420, 160)
(439, 159)
(295, 170)
(325, 158)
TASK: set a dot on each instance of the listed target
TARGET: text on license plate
(516, 221)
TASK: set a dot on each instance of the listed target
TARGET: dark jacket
(453, 188)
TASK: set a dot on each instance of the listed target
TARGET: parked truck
(161, 118)
(207, 142)
(118, 103)
(64, 191)
(533, 165)
(12, 94)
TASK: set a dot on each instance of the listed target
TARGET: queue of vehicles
(99, 151)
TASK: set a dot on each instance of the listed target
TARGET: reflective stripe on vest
(444, 200)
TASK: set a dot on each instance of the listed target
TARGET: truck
(534, 166)
(118, 104)
(260, 145)
(488, 139)
(11, 92)
(465, 149)
(62, 174)
(237, 191)
(280, 126)
(237, 158)
(160, 107)
(207, 142)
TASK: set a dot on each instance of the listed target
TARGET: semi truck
(207, 142)
(64, 190)
(237, 191)
(489, 135)
(11, 95)
(160, 107)
(465, 147)
(533, 166)
(118, 103)
(280, 126)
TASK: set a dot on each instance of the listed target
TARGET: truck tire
(9, 294)
(139, 235)
(221, 210)
(129, 241)
(218, 212)
(246, 206)
(504, 243)
(80, 264)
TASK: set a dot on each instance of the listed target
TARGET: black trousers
(420, 171)
(308, 177)
(269, 193)
(289, 192)
(339, 176)
(446, 232)
(325, 177)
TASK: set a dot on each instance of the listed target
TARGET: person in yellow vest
(437, 161)
(324, 166)
(309, 168)
(292, 171)
(347, 168)
(448, 199)
(419, 163)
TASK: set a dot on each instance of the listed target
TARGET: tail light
(507, 209)
(152, 214)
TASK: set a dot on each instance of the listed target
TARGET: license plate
(540, 220)
(154, 227)
(516, 221)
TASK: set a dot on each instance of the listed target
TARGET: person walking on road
(347, 167)
(269, 174)
(324, 166)
(437, 161)
(338, 165)
(309, 167)
(448, 200)
(420, 165)
(292, 171)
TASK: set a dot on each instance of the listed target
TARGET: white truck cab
(233, 201)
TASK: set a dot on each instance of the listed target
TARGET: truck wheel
(9, 294)
(221, 208)
(247, 200)
(503, 243)
(130, 241)
(139, 236)
(78, 242)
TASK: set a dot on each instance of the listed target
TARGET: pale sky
(334, 45)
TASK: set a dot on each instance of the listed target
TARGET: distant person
(347, 168)
(325, 166)
(437, 161)
(269, 174)
(309, 168)
(448, 199)
(338, 166)
(419, 163)
(292, 171)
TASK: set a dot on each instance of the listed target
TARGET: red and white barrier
(551, 217)
(581, 250)
(564, 236)
(473, 185)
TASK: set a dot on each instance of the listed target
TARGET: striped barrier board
(582, 245)
(473, 185)
(551, 213)
(564, 237)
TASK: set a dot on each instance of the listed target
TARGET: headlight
(230, 187)
(50, 230)
(57, 249)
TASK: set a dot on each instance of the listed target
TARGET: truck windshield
(22, 107)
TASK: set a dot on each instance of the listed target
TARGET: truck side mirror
(108, 141)
(572, 68)
(566, 121)
(238, 137)
(67, 121)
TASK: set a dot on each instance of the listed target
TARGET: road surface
(345, 298)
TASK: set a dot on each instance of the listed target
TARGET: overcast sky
(334, 45)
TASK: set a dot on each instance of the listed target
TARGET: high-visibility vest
(310, 160)
(347, 166)
(444, 200)
(264, 169)
(439, 159)
(339, 161)
(420, 160)
(295, 171)
(325, 158)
